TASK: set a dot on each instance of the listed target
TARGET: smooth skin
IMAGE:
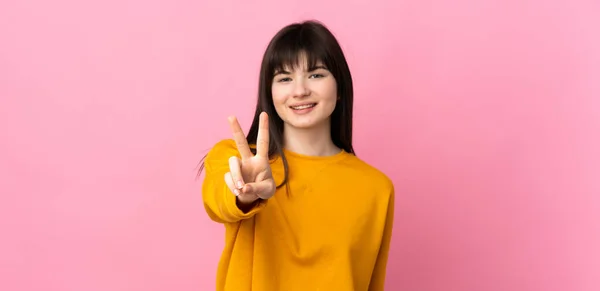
(250, 177)
(307, 134)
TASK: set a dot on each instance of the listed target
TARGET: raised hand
(250, 177)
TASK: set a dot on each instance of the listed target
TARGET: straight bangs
(298, 49)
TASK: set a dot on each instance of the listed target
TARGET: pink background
(484, 113)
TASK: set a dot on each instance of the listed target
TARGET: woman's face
(304, 97)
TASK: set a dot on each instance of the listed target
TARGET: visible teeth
(303, 106)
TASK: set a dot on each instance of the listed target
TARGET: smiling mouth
(305, 106)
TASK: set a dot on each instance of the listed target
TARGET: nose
(300, 89)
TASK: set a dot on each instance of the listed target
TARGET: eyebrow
(312, 69)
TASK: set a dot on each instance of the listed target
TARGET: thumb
(263, 189)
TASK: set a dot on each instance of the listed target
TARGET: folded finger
(262, 189)
(235, 167)
(229, 183)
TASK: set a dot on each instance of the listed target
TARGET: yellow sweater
(331, 232)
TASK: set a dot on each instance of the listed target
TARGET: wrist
(246, 206)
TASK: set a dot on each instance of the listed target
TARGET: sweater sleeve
(379, 272)
(219, 203)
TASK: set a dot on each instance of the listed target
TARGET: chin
(305, 124)
(302, 125)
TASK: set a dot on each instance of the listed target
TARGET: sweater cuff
(236, 212)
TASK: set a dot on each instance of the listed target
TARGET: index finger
(239, 138)
(262, 139)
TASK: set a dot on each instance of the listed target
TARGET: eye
(282, 80)
(316, 76)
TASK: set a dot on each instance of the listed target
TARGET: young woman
(301, 211)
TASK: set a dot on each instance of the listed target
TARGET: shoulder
(223, 149)
(376, 178)
(223, 145)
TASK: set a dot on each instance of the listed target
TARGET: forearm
(220, 203)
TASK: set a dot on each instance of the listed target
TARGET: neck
(310, 141)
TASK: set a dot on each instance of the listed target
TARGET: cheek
(332, 97)
(278, 97)
(331, 92)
